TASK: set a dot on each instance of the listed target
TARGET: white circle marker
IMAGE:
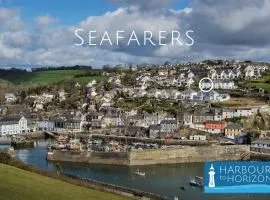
(210, 81)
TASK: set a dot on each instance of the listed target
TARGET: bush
(5, 158)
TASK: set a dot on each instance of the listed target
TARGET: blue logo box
(237, 177)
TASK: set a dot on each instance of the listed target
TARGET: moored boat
(139, 173)
(197, 182)
(57, 146)
(74, 145)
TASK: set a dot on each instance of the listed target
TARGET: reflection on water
(161, 179)
(4, 146)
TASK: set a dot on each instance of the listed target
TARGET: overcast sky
(42, 32)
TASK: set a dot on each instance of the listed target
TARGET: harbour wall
(185, 154)
(114, 158)
(190, 154)
(5, 140)
(256, 156)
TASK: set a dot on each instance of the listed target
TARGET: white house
(10, 97)
(189, 82)
(131, 112)
(189, 94)
(91, 83)
(213, 96)
(163, 72)
(254, 71)
(62, 95)
(118, 81)
(249, 72)
(47, 97)
(224, 74)
(38, 106)
(197, 137)
(239, 112)
(190, 74)
(175, 94)
(77, 85)
(224, 84)
(13, 125)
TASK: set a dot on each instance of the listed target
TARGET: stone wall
(117, 158)
(189, 154)
(156, 156)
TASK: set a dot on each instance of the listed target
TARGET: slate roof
(233, 126)
(168, 122)
(10, 120)
(155, 127)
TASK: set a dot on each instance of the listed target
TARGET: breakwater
(259, 156)
(184, 154)
(20, 144)
(5, 140)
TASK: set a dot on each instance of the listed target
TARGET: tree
(167, 63)
(23, 94)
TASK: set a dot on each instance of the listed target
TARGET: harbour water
(161, 179)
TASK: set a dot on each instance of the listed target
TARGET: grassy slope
(265, 86)
(20, 185)
(53, 76)
(261, 83)
(236, 102)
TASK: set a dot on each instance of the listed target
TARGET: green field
(21, 185)
(263, 83)
(52, 76)
(258, 84)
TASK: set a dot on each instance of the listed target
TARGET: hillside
(21, 77)
(263, 82)
(20, 185)
(4, 87)
(53, 76)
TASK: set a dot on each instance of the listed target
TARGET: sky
(41, 33)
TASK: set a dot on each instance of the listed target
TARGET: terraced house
(232, 130)
(13, 125)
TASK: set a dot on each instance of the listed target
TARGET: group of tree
(76, 67)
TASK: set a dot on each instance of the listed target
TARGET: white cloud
(184, 11)
(10, 19)
(232, 30)
(46, 20)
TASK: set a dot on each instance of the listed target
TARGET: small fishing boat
(11, 149)
(139, 173)
(74, 145)
(57, 146)
(197, 182)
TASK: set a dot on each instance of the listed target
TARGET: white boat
(197, 182)
(139, 173)
(11, 149)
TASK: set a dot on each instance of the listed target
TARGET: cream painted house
(13, 125)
